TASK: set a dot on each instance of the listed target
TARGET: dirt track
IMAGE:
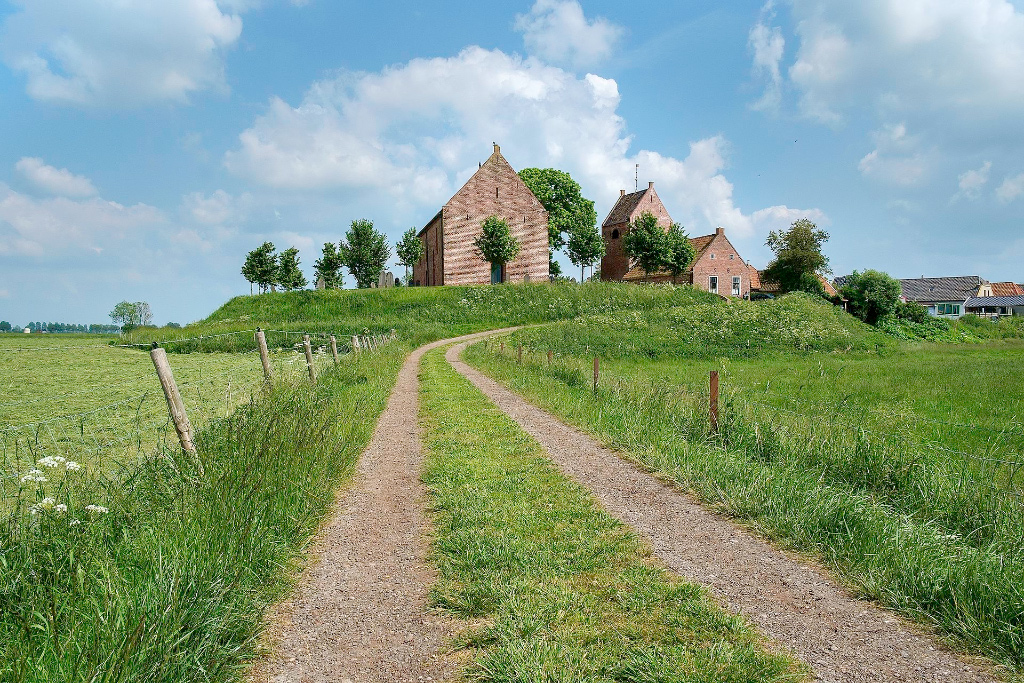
(797, 606)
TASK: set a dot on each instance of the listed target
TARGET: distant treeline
(56, 328)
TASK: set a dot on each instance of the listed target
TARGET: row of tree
(58, 328)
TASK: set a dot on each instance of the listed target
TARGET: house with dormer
(717, 268)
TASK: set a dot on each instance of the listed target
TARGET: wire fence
(128, 419)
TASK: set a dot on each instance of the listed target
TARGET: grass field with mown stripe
(918, 530)
(560, 591)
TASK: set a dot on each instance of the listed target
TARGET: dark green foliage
(798, 257)
(585, 247)
(873, 295)
(679, 253)
(127, 314)
(289, 276)
(328, 266)
(568, 210)
(647, 244)
(409, 250)
(909, 310)
(260, 266)
(364, 251)
(495, 244)
(5, 326)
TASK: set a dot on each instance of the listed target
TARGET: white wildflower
(73, 466)
(51, 461)
(97, 508)
(60, 507)
(34, 475)
(74, 522)
(45, 505)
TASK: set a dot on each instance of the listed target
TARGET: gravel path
(360, 612)
(797, 606)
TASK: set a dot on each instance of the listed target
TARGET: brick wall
(615, 263)
(722, 266)
(494, 190)
(428, 270)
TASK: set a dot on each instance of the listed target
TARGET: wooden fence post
(550, 354)
(309, 358)
(502, 348)
(520, 354)
(334, 349)
(261, 340)
(174, 404)
(597, 372)
(714, 402)
(355, 343)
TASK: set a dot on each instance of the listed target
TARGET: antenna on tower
(636, 180)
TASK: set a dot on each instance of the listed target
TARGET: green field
(898, 467)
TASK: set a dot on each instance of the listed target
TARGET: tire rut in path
(795, 605)
(360, 611)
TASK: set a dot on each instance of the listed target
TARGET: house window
(615, 234)
(712, 257)
(736, 285)
(732, 257)
(948, 309)
(713, 284)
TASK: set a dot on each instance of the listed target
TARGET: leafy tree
(143, 313)
(679, 252)
(585, 247)
(409, 250)
(873, 295)
(328, 267)
(568, 210)
(289, 276)
(495, 243)
(364, 251)
(260, 267)
(798, 258)
(5, 326)
(647, 244)
(914, 312)
(174, 326)
(124, 315)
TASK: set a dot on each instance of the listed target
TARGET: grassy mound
(797, 322)
(423, 314)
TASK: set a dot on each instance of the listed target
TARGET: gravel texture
(360, 610)
(796, 605)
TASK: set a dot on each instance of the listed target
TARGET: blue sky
(149, 145)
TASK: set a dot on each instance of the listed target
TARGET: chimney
(650, 186)
(622, 193)
(719, 231)
(497, 149)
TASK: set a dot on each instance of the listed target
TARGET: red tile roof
(1006, 289)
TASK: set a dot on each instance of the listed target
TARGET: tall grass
(934, 538)
(165, 577)
(558, 590)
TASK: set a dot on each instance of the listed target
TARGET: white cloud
(58, 181)
(411, 134)
(101, 53)
(973, 181)
(220, 208)
(960, 59)
(897, 158)
(46, 227)
(558, 32)
(1011, 188)
(768, 46)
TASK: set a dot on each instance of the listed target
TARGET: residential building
(995, 306)
(945, 297)
(1007, 289)
(450, 257)
(717, 266)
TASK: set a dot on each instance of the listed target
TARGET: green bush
(908, 310)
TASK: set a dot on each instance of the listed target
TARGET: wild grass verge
(563, 591)
(927, 541)
(162, 572)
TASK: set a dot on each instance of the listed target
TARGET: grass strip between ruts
(560, 590)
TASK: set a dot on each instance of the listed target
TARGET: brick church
(449, 257)
(717, 266)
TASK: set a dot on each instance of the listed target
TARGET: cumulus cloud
(558, 32)
(960, 58)
(58, 181)
(973, 181)
(409, 132)
(219, 208)
(897, 158)
(767, 45)
(99, 53)
(1011, 188)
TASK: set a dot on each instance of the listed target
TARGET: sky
(147, 145)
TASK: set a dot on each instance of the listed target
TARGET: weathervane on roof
(636, 180)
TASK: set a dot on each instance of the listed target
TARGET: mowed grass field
(900, 467)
